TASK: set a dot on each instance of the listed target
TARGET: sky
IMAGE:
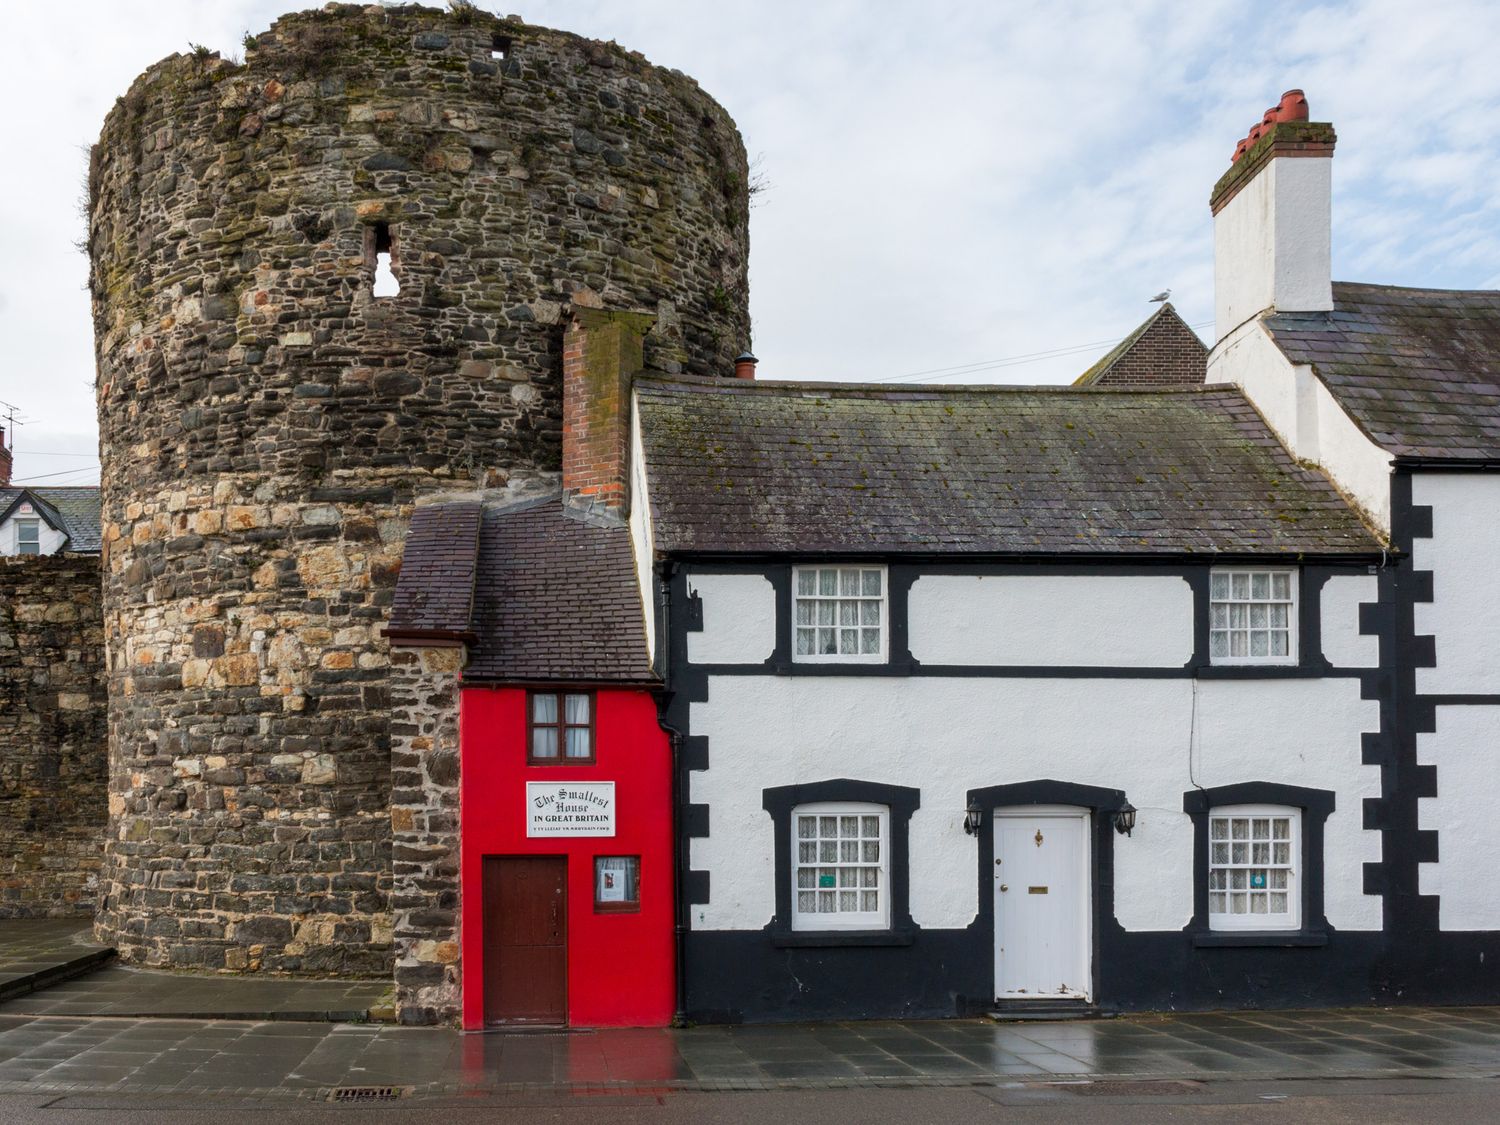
(956, 190)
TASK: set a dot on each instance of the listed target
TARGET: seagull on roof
(1162, 296)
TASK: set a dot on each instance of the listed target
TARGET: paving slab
(127, 992)
(36, 953)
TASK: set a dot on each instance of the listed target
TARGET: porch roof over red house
(538, 591)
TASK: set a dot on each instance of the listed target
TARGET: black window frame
(900, 802)
(1315, 806)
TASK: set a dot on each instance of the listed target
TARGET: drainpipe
(679, 845)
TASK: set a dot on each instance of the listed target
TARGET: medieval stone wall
(53, 741)
(267, 422)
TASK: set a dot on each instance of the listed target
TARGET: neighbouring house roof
(435, 591)
(736, 467)
(540, 592)
(1417, 369)
(72, 510)
(1162, 351)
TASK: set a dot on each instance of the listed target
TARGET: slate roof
(435, 591)
(737, 467)
(1417, 369)
(541, 593)
(76, 508)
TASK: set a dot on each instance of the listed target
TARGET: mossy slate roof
(1417, 369)
(736, 467)
(539, 592)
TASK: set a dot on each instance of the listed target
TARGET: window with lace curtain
(1252, 616)
(839, 614)
(560, 728)
(1252, 867)
(841, 867)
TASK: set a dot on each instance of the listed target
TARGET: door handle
(1003, 887)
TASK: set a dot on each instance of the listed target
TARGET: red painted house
(564, 858)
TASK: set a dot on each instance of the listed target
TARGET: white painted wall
(1343, 646)
(1305, 416)
(642, 530)
(1105, 621)
(1273, 243)
(1464, 557)
(1464, 748)
(947, 735)
(739, 619)
(51, 541)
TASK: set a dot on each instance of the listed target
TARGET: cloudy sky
(992, 187)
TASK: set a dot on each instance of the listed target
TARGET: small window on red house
(617, 883)
(561, 728)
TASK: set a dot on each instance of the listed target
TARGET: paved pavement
(121, 991)
(261, 1059)
(37, 952)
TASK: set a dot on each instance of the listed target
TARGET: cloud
(951, 181)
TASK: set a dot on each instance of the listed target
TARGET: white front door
(1042, 903)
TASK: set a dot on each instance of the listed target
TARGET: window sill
(1259, 671)
(833, 939)
(1245, 939)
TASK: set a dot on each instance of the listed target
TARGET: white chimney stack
(1273, 219)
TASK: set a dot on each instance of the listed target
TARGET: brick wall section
(1167, 354)
(424, 833)
(53, 739)
(601, 351)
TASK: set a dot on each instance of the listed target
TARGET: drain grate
(368, 1093)
(1117, 1088)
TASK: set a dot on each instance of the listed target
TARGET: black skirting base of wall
(744, 977)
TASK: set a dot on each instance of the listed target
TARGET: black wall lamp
(1124, 819)
(973, 818)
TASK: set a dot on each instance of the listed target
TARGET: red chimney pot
(744, 366)
(1293, 106)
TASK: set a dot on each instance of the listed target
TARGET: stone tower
(267, 421)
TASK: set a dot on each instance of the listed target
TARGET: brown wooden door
(526, 939)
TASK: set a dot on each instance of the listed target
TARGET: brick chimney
(5, 461)
(602, 351)
(1273, 219)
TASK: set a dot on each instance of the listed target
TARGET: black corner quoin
(902, 802)
(1315, 805)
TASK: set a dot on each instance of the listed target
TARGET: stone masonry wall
(267, 423)
(53, 742)
(424, 824)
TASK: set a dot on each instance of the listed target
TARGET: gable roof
(75, 511)
(539, 591)
(1162, 351)
(735, 467)
(1417, 369)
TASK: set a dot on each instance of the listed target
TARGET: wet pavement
(37, 952)
(121, 991)
(255, 1059)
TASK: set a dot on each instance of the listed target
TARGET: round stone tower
(269, 414)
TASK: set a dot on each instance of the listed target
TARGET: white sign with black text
(570, 808)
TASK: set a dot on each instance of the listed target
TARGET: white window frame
(844, 920)
(1292, 919)
(1293, 609)
(879, 657)
(28, 522)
